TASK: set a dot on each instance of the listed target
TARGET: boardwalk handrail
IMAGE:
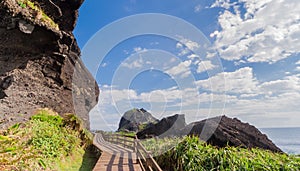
(144, 157)
(122, 140)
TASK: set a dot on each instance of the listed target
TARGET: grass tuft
(193, 154)
(44, 142)
(37, 14)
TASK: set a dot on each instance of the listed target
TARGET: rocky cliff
(169, 126)
(38, 55)
(135, 120)
(218, 131)
(222, 131)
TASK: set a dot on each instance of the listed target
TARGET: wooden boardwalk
(114, 157)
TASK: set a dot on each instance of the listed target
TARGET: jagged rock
(222, 131)
(169, 126)
(37, 70)
(218, 131)
(25, 27)
(135, 120)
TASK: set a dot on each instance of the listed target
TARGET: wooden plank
(122, 154)
(109, 162)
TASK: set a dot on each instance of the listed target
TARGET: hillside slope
(47, 142)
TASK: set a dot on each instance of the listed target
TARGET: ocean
(287, 139)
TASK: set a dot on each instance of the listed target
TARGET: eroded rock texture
(167, 127)
(222, 131)
(135, 120)
(38, 55)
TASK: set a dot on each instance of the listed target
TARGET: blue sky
(245, 63)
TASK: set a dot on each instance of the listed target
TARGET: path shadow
(90, 158)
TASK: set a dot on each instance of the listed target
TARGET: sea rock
(135, 120)
(40, 65)
(222, 131)
(169, 126)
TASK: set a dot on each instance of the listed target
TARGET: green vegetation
(37, 13)
(160, 145)
(129, 134)
(193, 155)
(47, 141)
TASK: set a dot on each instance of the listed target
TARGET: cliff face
(38, 55)
(136, 120)
(167, 127)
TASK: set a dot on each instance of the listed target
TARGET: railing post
(124, 138)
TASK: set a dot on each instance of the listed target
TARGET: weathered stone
(135, 120)
(222, 131)
(42, 64)
(218, 131)
(26, 27)
(169, 126)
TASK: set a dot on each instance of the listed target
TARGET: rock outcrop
(222, 131)
(40, 62)
(169, 126)
(218, 131)
(135, 120)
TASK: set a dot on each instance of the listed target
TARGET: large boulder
(169, 126)
(40, 64)
(135, 120)
(222, 131)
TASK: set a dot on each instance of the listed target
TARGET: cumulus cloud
(239, 82)
(186, 45)
(288, 84)
(205, 66)
(138, 63)
(268, 31)
(246, 98)
(222, 3)
(182, 69)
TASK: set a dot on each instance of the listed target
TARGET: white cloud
(268, 32)
(222, 3)
(298, 63)
(189, 44)
(205, 66)
(103, 65)
(139, 49)
(185, 46)
(241, 81)
(246, 99)
(297, 68)
(193, 56)
(215, 33)
(197, 8)
(138, 63)
(289, 84)
(211, 54)
(182, 69)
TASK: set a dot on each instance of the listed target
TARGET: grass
(129, 134)
(46, 142)
(37, 13)
(194, 155)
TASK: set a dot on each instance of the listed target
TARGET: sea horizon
(286, 138)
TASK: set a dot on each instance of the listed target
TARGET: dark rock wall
(222, 131)
(37, 67)
(133, 119)
(169, 126)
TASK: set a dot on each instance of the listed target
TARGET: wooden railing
(122, 140)
(144, 157)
